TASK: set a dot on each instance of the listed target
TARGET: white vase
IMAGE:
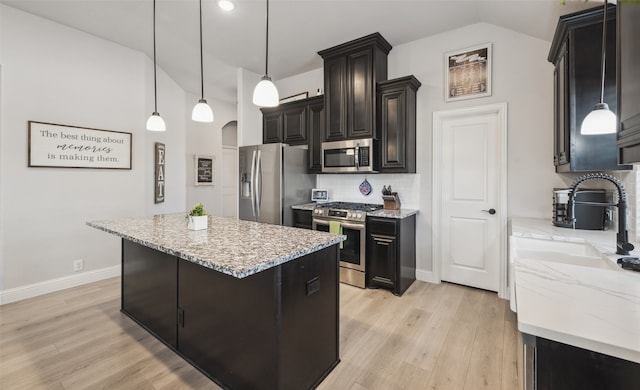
(197, 223)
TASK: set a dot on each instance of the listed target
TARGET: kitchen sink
(573, 253)
(581, 255)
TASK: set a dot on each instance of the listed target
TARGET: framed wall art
(159, 179)
(468, 73)
(205, 170)
(61, 146)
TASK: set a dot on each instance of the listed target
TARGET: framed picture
(205, 170)
(61, 146)
(300, 96)
(160, 160)
(468, 73)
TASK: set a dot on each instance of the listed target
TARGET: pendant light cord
(155, 82)
(604, 50)
(266, 62)
(201, 61)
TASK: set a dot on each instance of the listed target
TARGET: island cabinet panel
(309, 319)
(149, 289)
(560, 366)
(628, 82)
(228, 325)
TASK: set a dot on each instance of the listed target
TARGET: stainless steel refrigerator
(273, 177)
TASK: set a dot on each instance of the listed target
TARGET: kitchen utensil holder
(391, 202)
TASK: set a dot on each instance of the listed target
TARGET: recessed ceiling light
(226, 5)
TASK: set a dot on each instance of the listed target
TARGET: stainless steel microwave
(350, 156)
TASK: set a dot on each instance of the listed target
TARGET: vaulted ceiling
(298, 29)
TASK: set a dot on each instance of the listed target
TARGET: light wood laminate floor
(434, 337)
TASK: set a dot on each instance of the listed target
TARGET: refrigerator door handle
(253, 187)
(259, 182)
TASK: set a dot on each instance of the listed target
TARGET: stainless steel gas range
(352, 218)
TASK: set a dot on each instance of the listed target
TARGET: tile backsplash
(345, 187)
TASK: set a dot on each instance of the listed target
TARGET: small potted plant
(197, 218)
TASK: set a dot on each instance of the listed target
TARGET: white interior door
(229, 181)
(470, 211)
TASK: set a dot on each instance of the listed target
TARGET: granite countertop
(398, 214)
(234, 247)
(592, 308)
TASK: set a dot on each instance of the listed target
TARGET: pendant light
(201, 112)
(266, 93)
(155, 121)
(601, 120)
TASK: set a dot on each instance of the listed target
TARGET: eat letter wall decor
(159, 179)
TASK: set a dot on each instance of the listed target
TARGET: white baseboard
(426, 276)
(53, 285)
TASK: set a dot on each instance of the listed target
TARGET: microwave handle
(357, 156)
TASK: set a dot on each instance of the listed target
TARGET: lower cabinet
(302, 219)
(391, 253)
(556, 366)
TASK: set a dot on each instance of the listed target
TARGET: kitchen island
(251, 305)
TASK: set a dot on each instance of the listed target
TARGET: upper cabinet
(576, 53)
(351, 71)
(297, 123)
(396, 124)
(628, 82)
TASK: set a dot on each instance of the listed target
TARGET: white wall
(308, 82)
(52, 73)
(206, 139)
(249, 116)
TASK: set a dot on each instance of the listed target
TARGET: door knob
(490, 211)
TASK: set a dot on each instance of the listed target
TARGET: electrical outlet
(78, 265)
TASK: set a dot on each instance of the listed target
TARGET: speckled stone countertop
(234, 247)
(382, 213)
(593, 308)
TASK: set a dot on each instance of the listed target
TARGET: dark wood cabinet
(351, 71)
(396, 124)
(271, 126)
(285, 123)
(315, 121)
(150, 289)
(565, 367)
(576, 52)
(297, 123)
(391, 253)
(628, 51)
(302, 218)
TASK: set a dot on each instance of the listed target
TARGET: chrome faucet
(623, 246)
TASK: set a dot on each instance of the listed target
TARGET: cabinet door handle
(490, 211)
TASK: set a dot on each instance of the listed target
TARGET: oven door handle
(344, 224)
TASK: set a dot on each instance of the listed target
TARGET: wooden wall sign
(61, 146)
(159, 172)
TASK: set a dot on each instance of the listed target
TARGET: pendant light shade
(155, 121)
(601, 120)
(202, 112)
(266, 94)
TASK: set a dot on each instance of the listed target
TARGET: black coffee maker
(588, 217)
